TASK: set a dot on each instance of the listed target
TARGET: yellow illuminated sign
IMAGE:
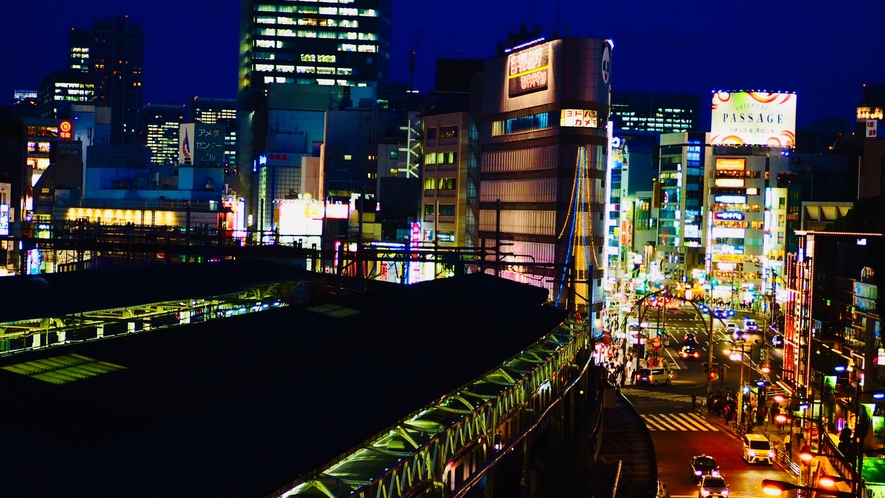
(731, 164)
(729, 182)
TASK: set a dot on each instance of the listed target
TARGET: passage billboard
(753, 118)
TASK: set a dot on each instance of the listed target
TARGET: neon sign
(730, 199)
(729, 215)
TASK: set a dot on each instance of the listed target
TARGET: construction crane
(412, 61)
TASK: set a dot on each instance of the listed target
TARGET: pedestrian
(787, 445)
(694, 401)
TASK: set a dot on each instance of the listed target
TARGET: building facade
(115, 48)
(159, 126)
(343, 48)
(680, 241)
(445, 214)
(223, 112)
(543, 166)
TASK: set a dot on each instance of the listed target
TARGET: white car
(732, 328)
(712, 487)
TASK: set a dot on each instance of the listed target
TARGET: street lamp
(773, 487)
(738, 356)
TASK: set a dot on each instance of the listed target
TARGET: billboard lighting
(523, 45)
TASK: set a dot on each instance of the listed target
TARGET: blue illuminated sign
(730, 199)
(729, 215)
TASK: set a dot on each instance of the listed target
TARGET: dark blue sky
(822, 51)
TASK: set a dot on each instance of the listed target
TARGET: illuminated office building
(218, 111)
(63, 89)
(299, 59)
(160, 130)
(544, 148)
(113, 53)
(616, 218)
(680, 241)
(342, 44)
(641, 117)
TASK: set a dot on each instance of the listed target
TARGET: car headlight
(705, 492)
(751, 454)
(698, 472)
(771, 454)
(724, 492)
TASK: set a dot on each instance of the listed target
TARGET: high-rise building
(113, 51)
(160, 131)
(63, 89)
(544, 147)
(681, 241)
(641, 117)
(342, 46)
(223, 112)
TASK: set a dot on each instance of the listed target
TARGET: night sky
(822, 51)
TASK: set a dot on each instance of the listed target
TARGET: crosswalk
(678, 422)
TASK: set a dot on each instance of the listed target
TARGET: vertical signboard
(186, 143)
(208, 145)
(4, 219)
(872, 128)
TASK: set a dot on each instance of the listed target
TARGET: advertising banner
(527, 70)
(753, 118)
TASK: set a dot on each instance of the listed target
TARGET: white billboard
(753, 118)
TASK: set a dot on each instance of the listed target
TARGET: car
(757, 449)
(777, 340)
(689, 353)
(653, 376)
(723, 312)
(702, 465)
(736, 332)
(705, 309)
(712, 487)
(750, 325)
(690, 340)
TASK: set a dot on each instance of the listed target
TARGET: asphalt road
(680, 433)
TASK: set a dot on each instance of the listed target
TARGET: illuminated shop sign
(527, 70)
(4, 219)
(730, 199)
(731, 164)
(729, 215)
(729, 233)
(753, 118)
(66, 130)
(864, 113)
(729, 182)
(578, 118)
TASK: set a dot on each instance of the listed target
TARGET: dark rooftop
(243, 406)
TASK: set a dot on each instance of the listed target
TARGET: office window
(428, 209)
(448, 132)
(430, 133)
(430, 158)
(430, 184)
(447, 210)
(447, 184)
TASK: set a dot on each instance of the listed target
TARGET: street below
(681, 431)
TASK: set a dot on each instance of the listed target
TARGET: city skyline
(818, 53)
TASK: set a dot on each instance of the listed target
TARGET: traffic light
(714, 375)
(706, 367)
